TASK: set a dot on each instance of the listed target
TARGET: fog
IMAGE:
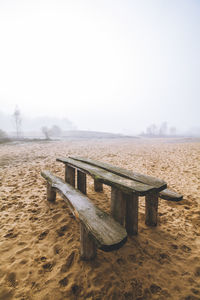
(114, 66)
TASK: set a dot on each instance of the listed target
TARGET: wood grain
(124, 184)
(106, 233)
(149, 180)
(170, 195)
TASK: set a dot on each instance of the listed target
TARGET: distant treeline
(18, 125)
(160, 131)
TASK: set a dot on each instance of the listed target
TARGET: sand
(39, 241)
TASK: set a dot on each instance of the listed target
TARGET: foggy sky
(113, 66)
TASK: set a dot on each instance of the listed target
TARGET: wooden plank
(131, 217)
(98, 186)
(107, 234)
(51, 193)
(70, 175)
(117, 205)
(81, 181)
(170, 195)
(88, 247)
(125, 185)
(149, 180)
(151, 209)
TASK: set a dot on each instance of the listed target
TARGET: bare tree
(45, 131)
(2, 134)
(172, 130)
(151, 130)
(17, 121)
(55, 131)
(163, 129)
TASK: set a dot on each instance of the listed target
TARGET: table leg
(81, 181)
(131, 218)
(70, 175)
(51, 193)
(98, 186)
(151, 209)
(88, 247)
(117, 205)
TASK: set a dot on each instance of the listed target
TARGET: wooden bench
(97, 229)
(165, 194)
(124, 191)
(170, 195)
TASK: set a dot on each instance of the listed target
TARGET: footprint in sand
(56, 249)
(120, 261)
(63, 282)
(191, 297)
(68, 263)
(197, 272)
(132, 258)
(23, 250)
(185, 248)
(62, 230)
(174, 246)
(154, 288)
(43, 258)
(43, 234)
(33, 219)
(48, 267)
(11, 279)
(163, 258)
(23, 261)
(6, 293)
(11, 235)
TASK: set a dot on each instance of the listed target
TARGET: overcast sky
(106, 65)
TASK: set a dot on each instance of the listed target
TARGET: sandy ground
(39, 241)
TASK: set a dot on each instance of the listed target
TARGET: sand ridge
(39, 241)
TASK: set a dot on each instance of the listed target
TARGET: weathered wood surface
(106, 233)
(70, 175)
(131, 217)
(170, 195)
(98, 186)
(166, 194)
(149, 180)
(81, 182)
(126, 185)
(88, 246)
(118, 205)
(51, 193)
(151, 209)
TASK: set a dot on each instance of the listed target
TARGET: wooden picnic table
(165, 194)
(124, 190)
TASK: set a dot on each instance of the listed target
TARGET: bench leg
(88, 247)
(51, 193)
(98, 186)
(70, 175)
(81, 181)
(117, 205)
(131, 218)
(151, 209)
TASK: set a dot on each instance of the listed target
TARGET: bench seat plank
(125, 184)
(170, 195)
(149, 180)
(107, 234)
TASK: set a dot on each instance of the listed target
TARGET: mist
(112, 66)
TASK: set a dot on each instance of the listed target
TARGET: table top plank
(127, 185)
(145, 179)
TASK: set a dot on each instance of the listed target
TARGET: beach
(40, 241)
